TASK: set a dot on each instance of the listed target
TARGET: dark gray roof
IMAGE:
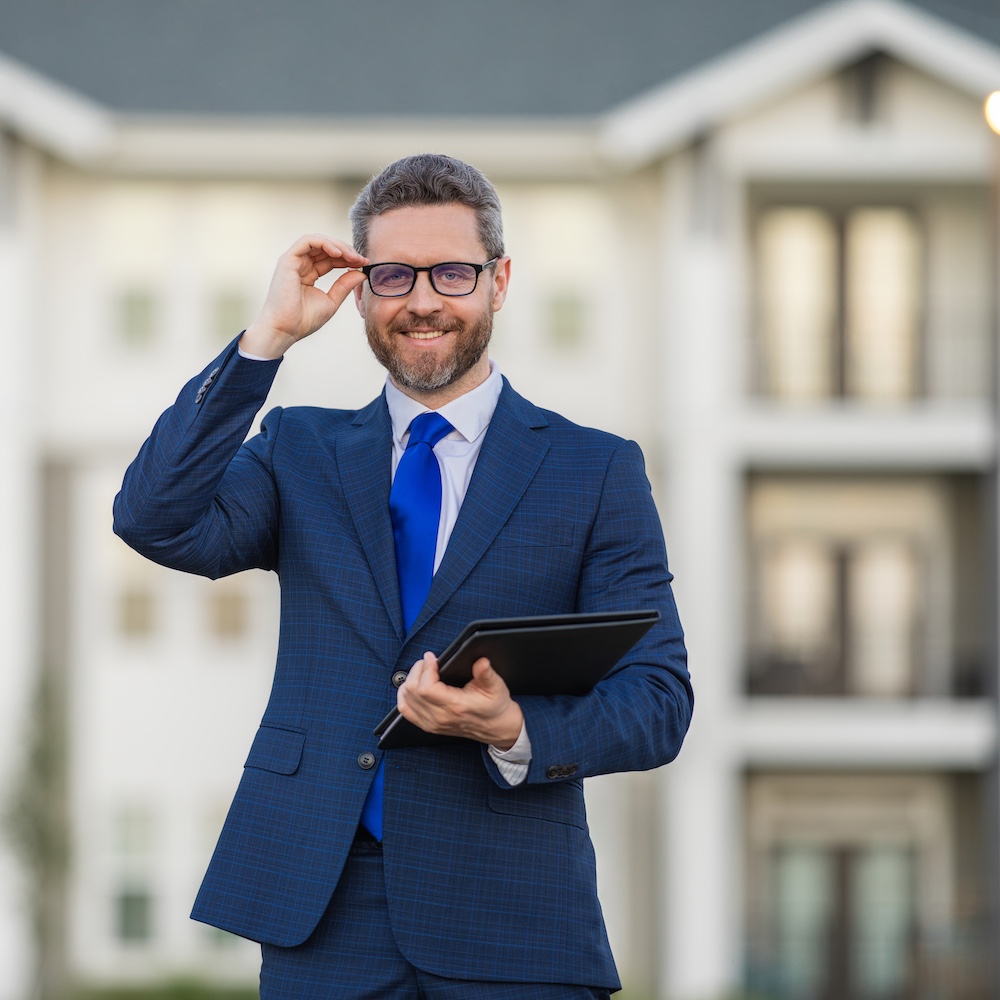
(392, 57)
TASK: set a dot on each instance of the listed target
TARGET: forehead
(426, 234)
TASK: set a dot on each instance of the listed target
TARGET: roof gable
(799, 52)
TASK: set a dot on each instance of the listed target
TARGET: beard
(426, 372)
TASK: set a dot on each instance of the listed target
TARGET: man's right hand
(295, 307)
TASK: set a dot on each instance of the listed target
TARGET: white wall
(24, 279)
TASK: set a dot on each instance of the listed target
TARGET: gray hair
(429, 179)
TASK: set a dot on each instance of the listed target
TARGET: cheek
(378, 312)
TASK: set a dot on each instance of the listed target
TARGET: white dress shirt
(457, 452)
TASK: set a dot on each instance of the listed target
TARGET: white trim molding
(56, 118)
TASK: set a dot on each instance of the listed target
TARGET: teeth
(424, 334)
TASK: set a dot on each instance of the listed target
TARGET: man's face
(430, 342)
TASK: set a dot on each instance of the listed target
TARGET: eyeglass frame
(479, 268)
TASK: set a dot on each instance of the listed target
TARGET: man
(462, 869)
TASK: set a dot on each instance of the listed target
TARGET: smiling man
(422, 350)
(462, 869)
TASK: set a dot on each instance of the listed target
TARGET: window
(230, 313)
(134, 832)
(227, 610)
(836, 617)
(860, 586)
(133, 846)
(136, 611)
(136, 316)
(852, 891)
(135, 592)
(839, 303)
(882, 607)
(133, 913)
(881, 322)
(566, 321)
(797, 297)
(843, 920)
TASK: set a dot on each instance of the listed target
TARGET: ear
(359, 297)
(501, 281)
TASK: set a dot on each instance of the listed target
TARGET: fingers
(481, 710)
(315, 249)
(295, 306)
(428, 676)
(420, 680)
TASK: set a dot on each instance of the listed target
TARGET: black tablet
(553, 654)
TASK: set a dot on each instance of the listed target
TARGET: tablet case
(560, 654)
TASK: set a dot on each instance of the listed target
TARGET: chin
(428, 373)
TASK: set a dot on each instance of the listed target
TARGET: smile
(424, 334)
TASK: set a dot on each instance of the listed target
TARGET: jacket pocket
(561, 803)
(277, 749)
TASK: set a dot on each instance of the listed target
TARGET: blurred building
(758, 238)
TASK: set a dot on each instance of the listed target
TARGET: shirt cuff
(513, 763)
(251, 357)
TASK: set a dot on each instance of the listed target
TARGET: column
(702, 879)
(19, 330)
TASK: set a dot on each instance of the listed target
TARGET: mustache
(403, 323)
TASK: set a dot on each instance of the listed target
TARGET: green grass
(169, 991)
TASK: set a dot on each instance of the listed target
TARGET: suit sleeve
(636, 717)
(196, 498)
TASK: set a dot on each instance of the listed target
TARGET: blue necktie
(415, 509)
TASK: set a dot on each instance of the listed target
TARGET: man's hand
(295, 307)
(482, 710)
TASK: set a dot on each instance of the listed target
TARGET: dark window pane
(136, 618)
(566, 321)
(137, 316)
(230, 314)
(134, 915)
(228, 612)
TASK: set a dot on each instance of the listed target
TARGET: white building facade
(778, 273)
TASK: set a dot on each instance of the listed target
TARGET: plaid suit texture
(484, 881)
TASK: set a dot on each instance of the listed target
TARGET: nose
(422, 297)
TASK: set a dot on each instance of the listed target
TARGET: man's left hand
(482, 710)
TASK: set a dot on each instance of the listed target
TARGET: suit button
(398, 677)
(366, 761)
(561, 770)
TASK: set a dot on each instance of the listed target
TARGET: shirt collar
(470, 414)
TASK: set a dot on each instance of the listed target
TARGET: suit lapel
(508, 461)
(364, 460)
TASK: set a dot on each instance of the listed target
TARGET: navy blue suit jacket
(484, 881)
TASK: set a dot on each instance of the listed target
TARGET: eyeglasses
(392, 279)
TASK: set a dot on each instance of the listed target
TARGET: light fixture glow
(992, 111)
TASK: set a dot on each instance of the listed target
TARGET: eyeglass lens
(399, 279)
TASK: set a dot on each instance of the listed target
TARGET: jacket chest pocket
(541, 532)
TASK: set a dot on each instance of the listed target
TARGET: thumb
(484, 676)
(343, 287)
